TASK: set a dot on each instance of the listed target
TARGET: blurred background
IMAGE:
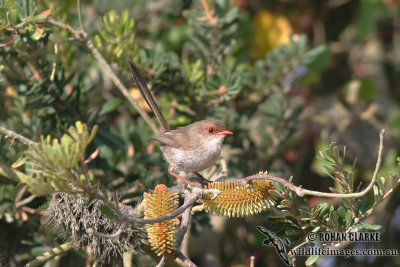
(287, 77)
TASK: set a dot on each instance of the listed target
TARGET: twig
(213, 191)
(184, 259)
(6, 132)
(162, 262)
(302, 192)
(20, 194)
(12, 174)
(77, 34)
(39, 260)
(78, 3)
(53, 71)
(11, 23)
(25, 201)
(209, 13)
(90, 231)
(54, 67)
(127, 259)
(185, 222)
(82, 36)
(194, 196)
(180, 188)
(368, 212)
(252, 261)
(120, 86)
(222, 174)
(224, 169)
(197, 208)
(16, 28)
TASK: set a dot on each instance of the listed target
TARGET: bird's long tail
(144, 90)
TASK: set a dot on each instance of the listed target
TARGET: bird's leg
(202, 179)
(172, 173)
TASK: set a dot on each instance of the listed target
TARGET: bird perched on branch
(191, 148)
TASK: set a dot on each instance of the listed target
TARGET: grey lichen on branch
(77, 219)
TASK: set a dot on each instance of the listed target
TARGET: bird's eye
(211, 130)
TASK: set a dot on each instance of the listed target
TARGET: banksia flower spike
(162, 235)
(239, 200)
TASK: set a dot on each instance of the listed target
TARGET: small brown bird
(191, 148)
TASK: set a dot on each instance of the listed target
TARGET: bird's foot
(202, 180)
(172, 173)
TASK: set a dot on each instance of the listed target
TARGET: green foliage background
(337, 80)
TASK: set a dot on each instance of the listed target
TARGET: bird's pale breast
(191, 160)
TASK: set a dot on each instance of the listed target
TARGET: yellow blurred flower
(10, 91)
(135, 93)
(270, 31)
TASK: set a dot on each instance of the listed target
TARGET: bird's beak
(224, 132)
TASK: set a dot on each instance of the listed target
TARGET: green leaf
(37, 251)
(368, 226)
(316, 229)
(106, 211)
(38, 17)
(110, 106)
(367, 16)
(310, 260)
(367, 89)
(395, 120)
(323, 208)
(322, 58)
(348, 218)
(381, 185)
(315, 52)
(307, 202)
(342, 211)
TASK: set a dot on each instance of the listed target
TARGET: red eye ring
(211, 130)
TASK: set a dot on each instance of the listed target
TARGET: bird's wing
(163, 140)
(178, 138)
